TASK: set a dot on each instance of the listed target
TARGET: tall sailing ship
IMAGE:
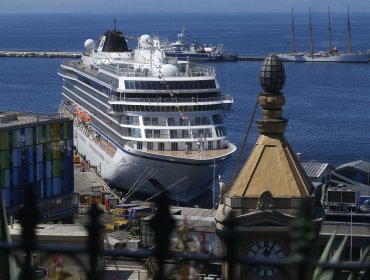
(147, 121)
(331, 55)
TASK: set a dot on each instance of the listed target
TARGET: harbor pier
(65, 54)
(41, 54)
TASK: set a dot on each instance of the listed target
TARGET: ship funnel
(113, 41)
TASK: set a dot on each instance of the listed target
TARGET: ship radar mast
(293, 42)
(349, 33)
(311, 44)
(329, 32)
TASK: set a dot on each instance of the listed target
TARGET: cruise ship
(146, 121)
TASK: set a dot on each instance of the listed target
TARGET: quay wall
(60, 54)
(41, 54)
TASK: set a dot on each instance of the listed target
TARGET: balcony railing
(176, 123)
(118, 100)
(178, 136)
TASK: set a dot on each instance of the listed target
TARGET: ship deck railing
(188, 136)
(175, 123)
(172, 100)
(168, 123)
(200, 153)
(126, 69)
(94, 72)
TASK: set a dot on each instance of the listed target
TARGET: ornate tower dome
(272, 74)
(266, 196)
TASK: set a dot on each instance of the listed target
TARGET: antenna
(228, 80)
(293, 44)
(214, 165)
(349, 34)
(329, 30)
(115, 24)
(311, 44)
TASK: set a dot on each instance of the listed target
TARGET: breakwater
(60, 54)
(41, 54)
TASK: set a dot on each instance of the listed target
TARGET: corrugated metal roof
(344, 188)
(315, 169)
(359, 165)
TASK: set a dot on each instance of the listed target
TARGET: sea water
(327, 104)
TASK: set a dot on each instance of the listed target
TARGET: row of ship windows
(167, 96)
(168, 85)
(108, 79)
(174, 134)
(189, 146)
(174, 121)
(152, 85)
(141, 96)
(142, 108)
(182, 121)
(82, 89)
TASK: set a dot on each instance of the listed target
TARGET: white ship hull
(129, 170)
(145, 121)
(324, 57)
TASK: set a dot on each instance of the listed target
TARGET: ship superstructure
(140, 115)
(192, 52)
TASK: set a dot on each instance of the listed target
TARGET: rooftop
(56, 232)
(315, 169)
(18, 118)
(359, 165)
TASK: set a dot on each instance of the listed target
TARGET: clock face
(269, 250)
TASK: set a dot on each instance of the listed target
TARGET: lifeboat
(87, 118)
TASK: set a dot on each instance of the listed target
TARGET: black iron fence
(300, 264)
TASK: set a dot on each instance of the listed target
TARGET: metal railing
(298, 265)
(176, 123)
(179, 135)
(133, 70)
(114, 99)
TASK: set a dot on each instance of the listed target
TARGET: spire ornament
(272, 74)
(272, 80)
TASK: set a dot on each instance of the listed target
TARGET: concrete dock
(40, 54)
(60, 54)
(250, 58)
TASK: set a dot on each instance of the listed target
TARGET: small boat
(193, 52)
(331, 55)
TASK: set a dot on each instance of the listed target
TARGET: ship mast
(349, 34)
(311, 44)
(329, 30)
(293, 45)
